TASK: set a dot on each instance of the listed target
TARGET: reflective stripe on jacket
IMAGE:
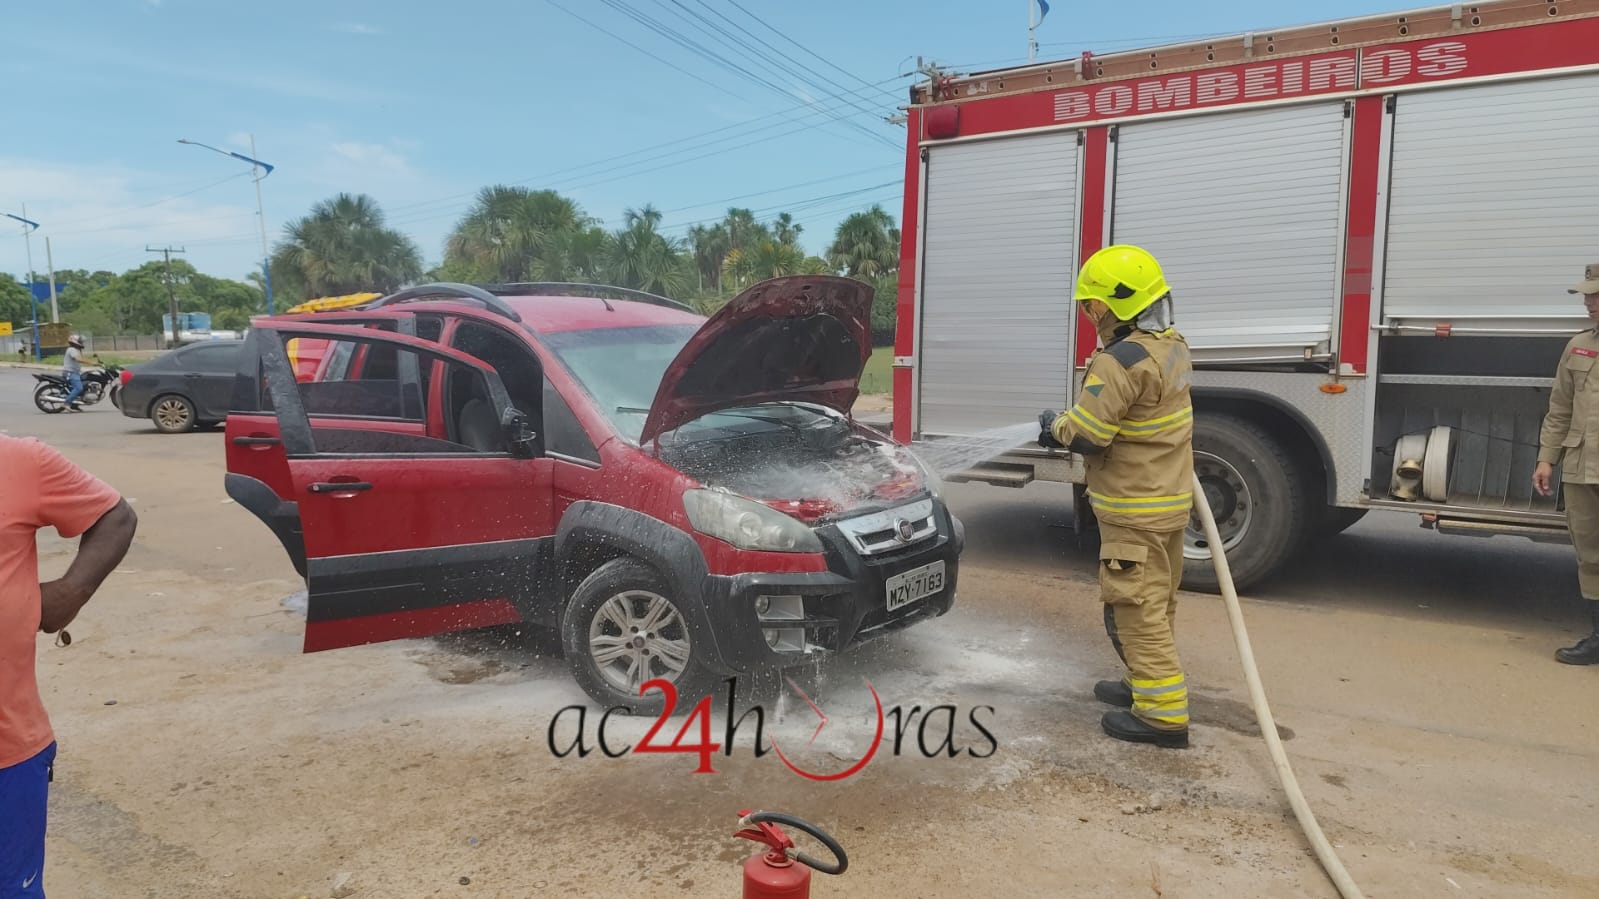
(1134, 425)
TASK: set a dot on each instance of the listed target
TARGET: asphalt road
(1443, 749)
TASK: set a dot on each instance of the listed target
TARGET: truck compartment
(1457, 424)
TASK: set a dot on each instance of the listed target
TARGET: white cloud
(102, 217)
(373, 157)
(357, 28)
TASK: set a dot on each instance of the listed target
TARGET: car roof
(550, 314)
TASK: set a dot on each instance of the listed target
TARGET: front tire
(623, 627)
(172, 414)
(1259, 496)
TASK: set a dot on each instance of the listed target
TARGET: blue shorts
(24, 790)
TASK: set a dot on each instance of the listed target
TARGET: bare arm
(99, 553)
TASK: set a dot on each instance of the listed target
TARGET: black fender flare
(1280, 406)
(665, 548)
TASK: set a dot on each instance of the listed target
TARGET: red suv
(681, 497)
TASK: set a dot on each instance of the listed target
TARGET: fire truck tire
(1260, 496)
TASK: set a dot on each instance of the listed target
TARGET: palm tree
(866, 245)
(639, 256)
(342, 247)
(710, 247)
(510, 231)
(771, 259)
(784, 229)
(572, 254)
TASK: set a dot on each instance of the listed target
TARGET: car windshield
(621, 368)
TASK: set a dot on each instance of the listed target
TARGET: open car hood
(799, 338)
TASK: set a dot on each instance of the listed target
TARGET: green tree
(15, 303)
(785, 231)
(343, 246)
(515, 234)
(709, 247)
(639, 256)
(866, 245)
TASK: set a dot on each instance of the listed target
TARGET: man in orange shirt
(40, 489)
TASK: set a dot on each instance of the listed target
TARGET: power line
(660, 59)
(784, 114)
(575, 184)
(785, 37)
(775, 190)
(100, 218)
(672, 34)
(149, 226)
(795, 70)
(798, 205)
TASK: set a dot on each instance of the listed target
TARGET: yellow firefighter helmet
(1125, 278)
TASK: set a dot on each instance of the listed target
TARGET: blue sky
(421, 103)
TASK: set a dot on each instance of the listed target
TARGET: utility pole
(172, 297)
(50, 264)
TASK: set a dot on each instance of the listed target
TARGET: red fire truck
(1369, 226)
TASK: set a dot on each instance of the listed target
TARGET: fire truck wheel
(1259, 495)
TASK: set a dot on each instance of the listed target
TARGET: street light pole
(260, 214)
(28, 228)
(255, 164)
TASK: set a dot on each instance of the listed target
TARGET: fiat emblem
(905, 530)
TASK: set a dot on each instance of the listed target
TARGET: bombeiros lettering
(1267, 81)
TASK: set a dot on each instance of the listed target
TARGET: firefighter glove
(1046, 433)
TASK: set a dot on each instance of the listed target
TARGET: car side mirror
(522, 438)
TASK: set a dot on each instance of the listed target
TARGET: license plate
(916, 584)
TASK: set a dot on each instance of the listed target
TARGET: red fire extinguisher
(772, 874)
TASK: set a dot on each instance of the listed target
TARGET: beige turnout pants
(1138, 576)
(1582, 517)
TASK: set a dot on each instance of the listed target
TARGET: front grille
(891, 529)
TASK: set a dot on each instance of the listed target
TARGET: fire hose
(772, 874)
(1257, 695)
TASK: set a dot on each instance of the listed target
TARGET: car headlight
(747, 524)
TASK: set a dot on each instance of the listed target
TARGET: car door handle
(256, 441)
(339, 486)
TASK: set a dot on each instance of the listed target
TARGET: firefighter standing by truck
(1133, 426)
(1569, 430)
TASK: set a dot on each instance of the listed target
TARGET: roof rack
(598, 291)
(448, 289)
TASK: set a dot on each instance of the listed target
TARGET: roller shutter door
(1494, 207)
(1242, 210)
(999, 260)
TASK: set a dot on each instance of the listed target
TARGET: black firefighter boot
(1126, 726)
(1114, 692)
(1586, 652)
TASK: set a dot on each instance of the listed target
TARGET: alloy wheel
(636, 636)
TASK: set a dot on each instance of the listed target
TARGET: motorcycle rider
(72, 369)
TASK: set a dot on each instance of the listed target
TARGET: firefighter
(1569, 429)
(1133, 426)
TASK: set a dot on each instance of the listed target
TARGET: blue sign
(40, 290)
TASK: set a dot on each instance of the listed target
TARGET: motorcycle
(51, 393)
